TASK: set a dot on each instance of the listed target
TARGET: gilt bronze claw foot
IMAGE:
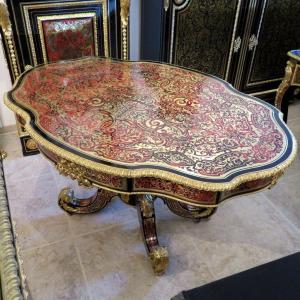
(68, 202)
(157, 254)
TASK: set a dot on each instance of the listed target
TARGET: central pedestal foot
(160, 259)
(68, 202)
(157, 254)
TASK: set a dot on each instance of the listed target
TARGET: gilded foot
(160, 259)
(68, 202)
(157, 254)
(3, 154)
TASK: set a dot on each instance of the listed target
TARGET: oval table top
(136, 119)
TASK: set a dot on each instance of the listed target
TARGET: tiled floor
(101, 256)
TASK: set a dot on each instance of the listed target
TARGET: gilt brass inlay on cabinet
(244, 42)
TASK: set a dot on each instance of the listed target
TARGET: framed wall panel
(46, 31)
(205, 35)
(273, 32)
(64, 16)
(69, 36)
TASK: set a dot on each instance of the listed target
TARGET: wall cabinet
(242, 41)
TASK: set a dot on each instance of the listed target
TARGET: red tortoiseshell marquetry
(174, 189)
(68, 38)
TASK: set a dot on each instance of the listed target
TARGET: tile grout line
(290, 223)
(293, 119)
(287, 175)
(106, 228)
(73, 239)
(79, 259)
(43, 245)
(213, 275)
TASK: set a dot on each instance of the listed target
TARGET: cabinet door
(47, 31)
(274, 30)
(205, 35)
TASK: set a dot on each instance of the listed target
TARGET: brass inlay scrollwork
(253, 42)
(9, 40)
(148, 172)
(237, 44)
(68, 168)
(28, 67)
(124, 13)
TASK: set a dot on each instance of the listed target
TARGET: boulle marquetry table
(144, 130)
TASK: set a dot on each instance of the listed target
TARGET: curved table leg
(157, 254)
(189, 211)
(68, 202)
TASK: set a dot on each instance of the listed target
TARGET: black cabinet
(242, 41)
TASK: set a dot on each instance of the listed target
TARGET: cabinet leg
(157, 254)
(68, 202)
(285, 84)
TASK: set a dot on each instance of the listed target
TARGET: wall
(6, 116)
(135, 29)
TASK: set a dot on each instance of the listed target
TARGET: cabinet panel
(202, 34)
(276, 27)
(49, 30)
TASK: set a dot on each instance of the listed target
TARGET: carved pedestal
(145, 208)
(157, 254)
(68, 202)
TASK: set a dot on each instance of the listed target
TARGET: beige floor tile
(286, 197)
(34, 209)
(24, 168)
(53, 272)
(116, 265)
(10, 143)
(294, 110)
(244, 232)
(294, 169)
(294, 125)
(114, 214)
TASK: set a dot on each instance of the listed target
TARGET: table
(143, 130)
(291, 78)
